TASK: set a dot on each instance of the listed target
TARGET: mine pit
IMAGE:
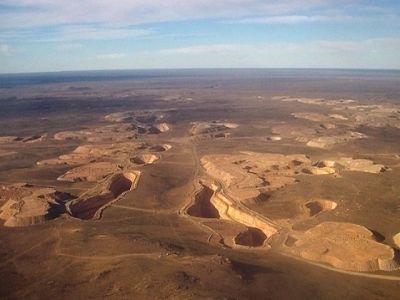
(121, 183)
(317, 206)
(90, 207)
(144, 159)
(161, 148)
(252, 237)
(202, 207)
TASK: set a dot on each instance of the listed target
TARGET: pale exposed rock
(28, 139)
(319, 101)
(396, 240)
(320, 170)
(109, 133)
(315, 117)
(161, 148)
(145, 159)
(361, 165)
(326, 142)
(120, 117)
(274, 138)
(89, 153)
(29, 205)
(247, 174)
(231, 125)
(229, 210)
(345, 246)
(91, 172)
(325, 163)
(338, 117)
(159, 128)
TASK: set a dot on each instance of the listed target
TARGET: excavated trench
(91, 207)
(202, 207)
(252, 237)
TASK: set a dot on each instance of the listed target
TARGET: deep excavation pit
(317, 206)
(202, 207)
(90, 206)
(252, 237)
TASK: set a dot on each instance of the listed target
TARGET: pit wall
(229, 210)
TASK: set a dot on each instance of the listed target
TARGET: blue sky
(55, 35)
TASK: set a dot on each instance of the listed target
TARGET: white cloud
(293, 19)
(6, 49)
(111, 56)
(61, 12)
(370, 53)
(92, 32)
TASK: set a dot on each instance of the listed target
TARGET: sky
(59, 35)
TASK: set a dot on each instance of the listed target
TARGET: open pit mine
(198, 187)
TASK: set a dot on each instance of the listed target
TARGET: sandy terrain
(201, 187)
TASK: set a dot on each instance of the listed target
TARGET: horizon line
(198, 68)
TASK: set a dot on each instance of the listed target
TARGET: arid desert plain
(207, 184)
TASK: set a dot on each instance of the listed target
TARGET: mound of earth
(326, 142)
(160, 148)
(315, 117)
(109, 133)
(137, 117)
(325, 167)
(214, 128)
(338, 117)
(345, 246)
(159, 128)
(91, 204)
(322, 167)
(248, 174)
(320, 205)
(315, 170)
(91, 172)
(382, 115)
(17, 139)
(318, 101)
(120, 117)
(300, 133)
(30, 205)
(274, 138)
(396, 240)
(145, 159)
(361, 165)
(322, 136)
(252, 237)
(86, 154)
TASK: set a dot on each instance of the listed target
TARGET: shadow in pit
(57, 208)
(247, 271)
